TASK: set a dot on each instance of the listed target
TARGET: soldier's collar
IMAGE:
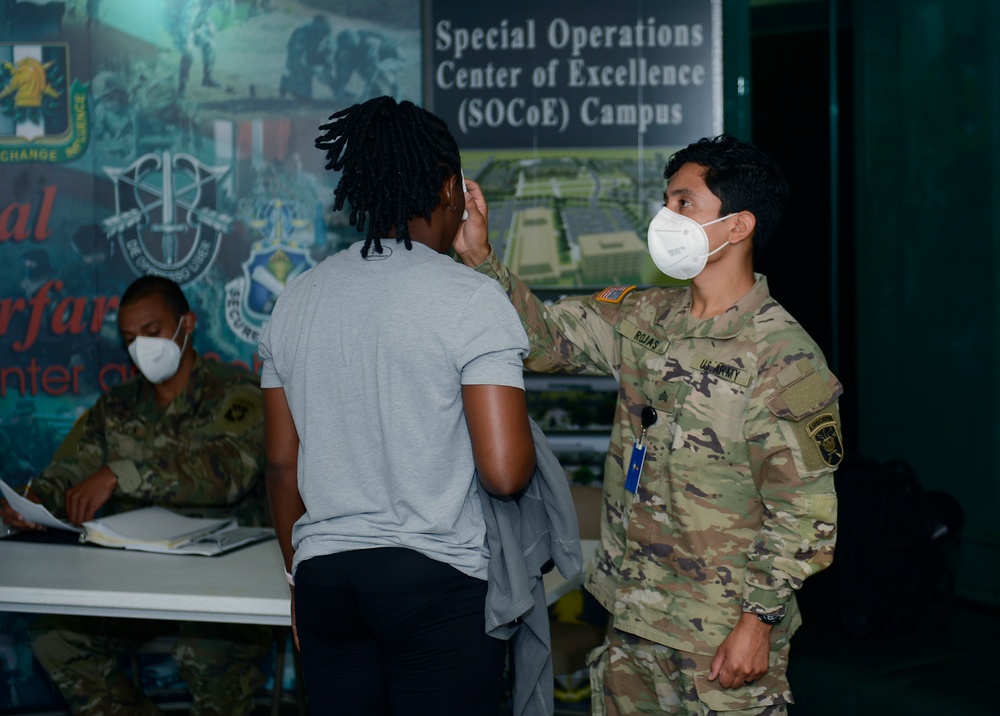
(726, 325)
(191, 395)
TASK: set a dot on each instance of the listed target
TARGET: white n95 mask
(157, 358)
(679, 245)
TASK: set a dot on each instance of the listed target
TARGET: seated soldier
(186, 434)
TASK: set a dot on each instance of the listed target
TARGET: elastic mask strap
(721, 247)
(174, 337)
(716, 221)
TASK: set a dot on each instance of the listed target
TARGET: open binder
(148, 529)
(157, 529)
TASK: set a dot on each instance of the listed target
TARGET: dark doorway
(790, 86)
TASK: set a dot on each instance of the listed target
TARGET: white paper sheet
(32, 511)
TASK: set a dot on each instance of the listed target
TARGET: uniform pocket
(768, 690)
(598, 662)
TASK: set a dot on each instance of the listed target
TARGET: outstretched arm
(568, 336)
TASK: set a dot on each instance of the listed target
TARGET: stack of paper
(150, 527)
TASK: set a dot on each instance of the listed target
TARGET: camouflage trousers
(629, 675)
(83, 657)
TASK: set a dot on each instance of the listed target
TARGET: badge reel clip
(647, 418)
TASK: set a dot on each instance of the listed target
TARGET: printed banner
(566, 119)
(612, 75)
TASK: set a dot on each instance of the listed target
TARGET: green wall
(927, 125)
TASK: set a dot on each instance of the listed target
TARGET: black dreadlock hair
(393, 158)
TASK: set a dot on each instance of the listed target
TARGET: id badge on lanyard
(647, 417)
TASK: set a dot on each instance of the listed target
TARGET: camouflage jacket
(736, 503)
(203, 454)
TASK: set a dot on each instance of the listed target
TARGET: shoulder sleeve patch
(824, 431)
(613, 294)
(818, 440)
(806, 398)
(241, 410)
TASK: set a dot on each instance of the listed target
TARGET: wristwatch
(771, 619)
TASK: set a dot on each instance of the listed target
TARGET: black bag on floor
(890, 565)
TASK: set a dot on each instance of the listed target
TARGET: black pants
(390, 631)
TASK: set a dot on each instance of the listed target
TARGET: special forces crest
(166, 217)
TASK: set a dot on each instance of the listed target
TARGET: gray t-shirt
(372, 355)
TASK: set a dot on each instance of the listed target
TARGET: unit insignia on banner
(43, 117)
(281, 220)
(250, 297)
(166, 215)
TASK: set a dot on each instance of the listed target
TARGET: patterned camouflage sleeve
(794, 437)
(568, 336)
(215, 462)
(80, 455)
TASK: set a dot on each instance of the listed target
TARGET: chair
(165, 644)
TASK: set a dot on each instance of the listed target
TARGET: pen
(24, 492)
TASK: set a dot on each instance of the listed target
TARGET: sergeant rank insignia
(824, 431)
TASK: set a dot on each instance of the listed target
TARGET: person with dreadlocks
(392, 377)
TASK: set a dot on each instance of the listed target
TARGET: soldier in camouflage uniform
(309, 56)
(192, 441)
(735, 504)
(194, 29)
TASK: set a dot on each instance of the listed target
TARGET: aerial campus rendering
(572, 218)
